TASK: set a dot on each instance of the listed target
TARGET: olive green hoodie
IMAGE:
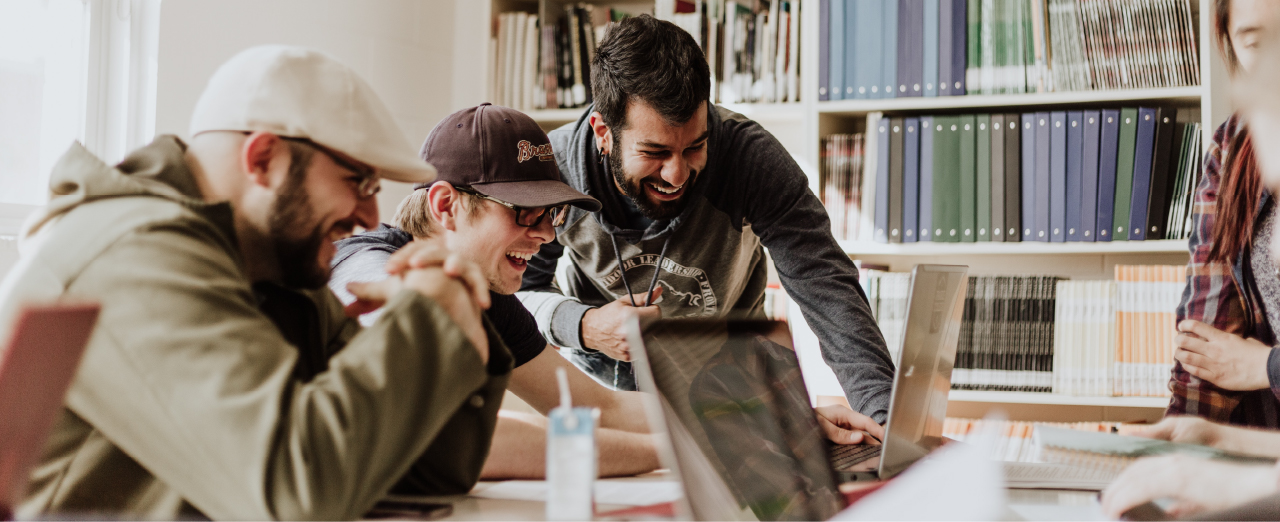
(191, 402)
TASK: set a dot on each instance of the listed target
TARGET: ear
(604, 140)
(256, 154)
(444, 203)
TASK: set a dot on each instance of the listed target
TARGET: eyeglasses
(527, 217)
(367, 182)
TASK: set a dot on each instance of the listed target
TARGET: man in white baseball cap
(223, 379)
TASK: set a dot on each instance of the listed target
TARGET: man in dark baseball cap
(496, 200)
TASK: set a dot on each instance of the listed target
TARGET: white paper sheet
(1030, 475)
(621, 492)
(957, 482)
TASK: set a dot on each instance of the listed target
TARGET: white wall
(403, 48)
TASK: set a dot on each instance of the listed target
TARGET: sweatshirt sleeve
(196, 385)
(771, 193)
(559, 316)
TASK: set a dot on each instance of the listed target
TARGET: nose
(676, 170)
(545, 232)
(366, 213)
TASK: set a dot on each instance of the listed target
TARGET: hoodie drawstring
(657, 269)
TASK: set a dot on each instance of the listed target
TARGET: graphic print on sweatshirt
(689, 286)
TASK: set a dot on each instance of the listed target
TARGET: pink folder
(36, 367)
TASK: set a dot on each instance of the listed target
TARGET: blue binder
(930, 48)
(1108, 149)
(1092, 124)
(869, 41)
(1044, 159)
(824, 49)
(851, 55)
(945, 8)
(1058, 176)
(882, 182)
(1028, 149)
(910, 179)
(836, 56)
(889, 65)
(1143, 156)
(925, 223)
(1075, 134)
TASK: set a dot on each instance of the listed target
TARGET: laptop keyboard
(845, 455)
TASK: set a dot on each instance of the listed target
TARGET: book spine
(998, 182)
(983, 177)
(925, 223)
(824, 48)
(1075, 185)
(1058, 177)
(910, 179)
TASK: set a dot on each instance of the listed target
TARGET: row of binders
(872, 49)
(1092, 175)
(1047, 334)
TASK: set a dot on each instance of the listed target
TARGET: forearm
(519, 450)
(1247, 440)
(625, 412)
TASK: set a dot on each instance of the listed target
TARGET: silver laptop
(743, 437)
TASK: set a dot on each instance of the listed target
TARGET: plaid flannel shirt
(1222, 295)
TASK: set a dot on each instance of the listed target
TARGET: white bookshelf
(800, 126)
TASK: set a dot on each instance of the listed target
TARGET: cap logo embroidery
(528, 151)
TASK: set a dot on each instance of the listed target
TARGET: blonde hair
(413, 216)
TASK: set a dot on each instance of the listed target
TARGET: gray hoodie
(750, 196)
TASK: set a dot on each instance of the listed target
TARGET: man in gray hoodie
(692, 194)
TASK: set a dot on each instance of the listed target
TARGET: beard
(634, 190)
(297, 257)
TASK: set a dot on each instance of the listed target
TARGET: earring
(604, 157)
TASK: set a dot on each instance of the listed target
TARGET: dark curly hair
(653, 61)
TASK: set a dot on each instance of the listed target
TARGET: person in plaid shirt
(1226, 369)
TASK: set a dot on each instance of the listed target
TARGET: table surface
(1024, 504)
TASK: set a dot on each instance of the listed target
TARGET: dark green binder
(1124, 173)
(946, 179)
(984, 177)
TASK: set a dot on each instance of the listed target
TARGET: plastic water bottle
(571, 458)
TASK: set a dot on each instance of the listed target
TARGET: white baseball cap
(302, 93)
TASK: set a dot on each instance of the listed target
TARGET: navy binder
(1043, 161)
(1012, 179)
(1058, 176)
(945, 8)
(1089, 174)
(1143, 154)
(889, 66)
(1028, 145)
(824, 48)
(1108, 150)
(910, 179)
(959, 35)
(911, 84)
(1075, 156)
(930, 53)
(882, 182)
(925, 223)
(896, 131)
(835, 56)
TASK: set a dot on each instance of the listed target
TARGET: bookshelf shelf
(1055, 399)
(555, 115)
(1022, 248)
(770, 112)
(1188, 95)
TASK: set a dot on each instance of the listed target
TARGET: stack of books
(1092, 175)
(905, 48)
(538, 65)
(1016, 442)
(760, 59)
(1006, 335)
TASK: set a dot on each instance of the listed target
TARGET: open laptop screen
(734, 387)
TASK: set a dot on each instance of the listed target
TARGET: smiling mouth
(664, 192)
(519, 260)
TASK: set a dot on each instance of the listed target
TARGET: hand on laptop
(1196, 484)
(604, 328)
(845, 426)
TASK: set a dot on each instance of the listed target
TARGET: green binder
(1124, 173)
(984, 177)
(946, 179)
(968, 184)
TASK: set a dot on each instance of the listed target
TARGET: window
(70, 70)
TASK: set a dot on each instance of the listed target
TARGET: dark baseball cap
(502, 153)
